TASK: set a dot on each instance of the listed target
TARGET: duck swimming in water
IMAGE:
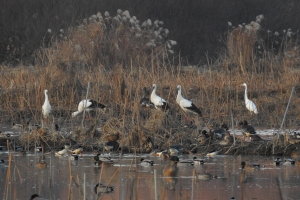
(146, 162)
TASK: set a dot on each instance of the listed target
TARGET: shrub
(110, 41)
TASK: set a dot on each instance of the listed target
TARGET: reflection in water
(170, 173)
(220, 177)
(204, 176)
(102, 189)
(36, 197)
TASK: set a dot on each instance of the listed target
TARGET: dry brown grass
(215, 92)
(118, 72)
(241, 47)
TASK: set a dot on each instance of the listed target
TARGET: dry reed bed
(214, 92)
(119, 66)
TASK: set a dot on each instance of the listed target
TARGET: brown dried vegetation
(118, 73)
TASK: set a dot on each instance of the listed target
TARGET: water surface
(64, 178)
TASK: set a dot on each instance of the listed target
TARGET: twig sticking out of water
(100, 175)
(78, 186)
(17, 169)
(193, 183)
(279, 188)
(286, 110)
(83, 116)
(8, 177)
(70, 185)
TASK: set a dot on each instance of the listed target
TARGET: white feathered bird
(249, 104)
(158, 102)
(64, 152)
(212, 154)
(46, 108)
(89, 106)
(79, 150)
(185, 104)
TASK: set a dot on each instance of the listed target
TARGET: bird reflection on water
(170, 173)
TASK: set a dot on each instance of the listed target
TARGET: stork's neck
(179, 96)
(46, 96)
(246, 97)
(153, 92)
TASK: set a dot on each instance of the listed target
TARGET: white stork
(89, 105)
(158, 102)
(46, 108)
(185, 104)
(249, 104)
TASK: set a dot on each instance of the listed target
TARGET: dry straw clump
(112, 128)
(109, 41)
(241, 43)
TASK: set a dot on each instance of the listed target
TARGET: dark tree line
(199, 27)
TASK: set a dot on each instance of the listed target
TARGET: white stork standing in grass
(46, 108)
(158, 102)
(249, 104)
(89, 105)
(185, 104)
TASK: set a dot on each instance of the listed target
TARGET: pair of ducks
(289, 161)
(249, 167)
(99, 161)
(170, 173)
(277, 162)
(218, 132)
(67, 151)
(248, 131)
(172, 169)
(195, 160)
(173, 150)
(227, 139)
(100, 189)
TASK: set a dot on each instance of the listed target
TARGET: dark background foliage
(199, 27)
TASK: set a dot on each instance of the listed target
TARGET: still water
(64, 178)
